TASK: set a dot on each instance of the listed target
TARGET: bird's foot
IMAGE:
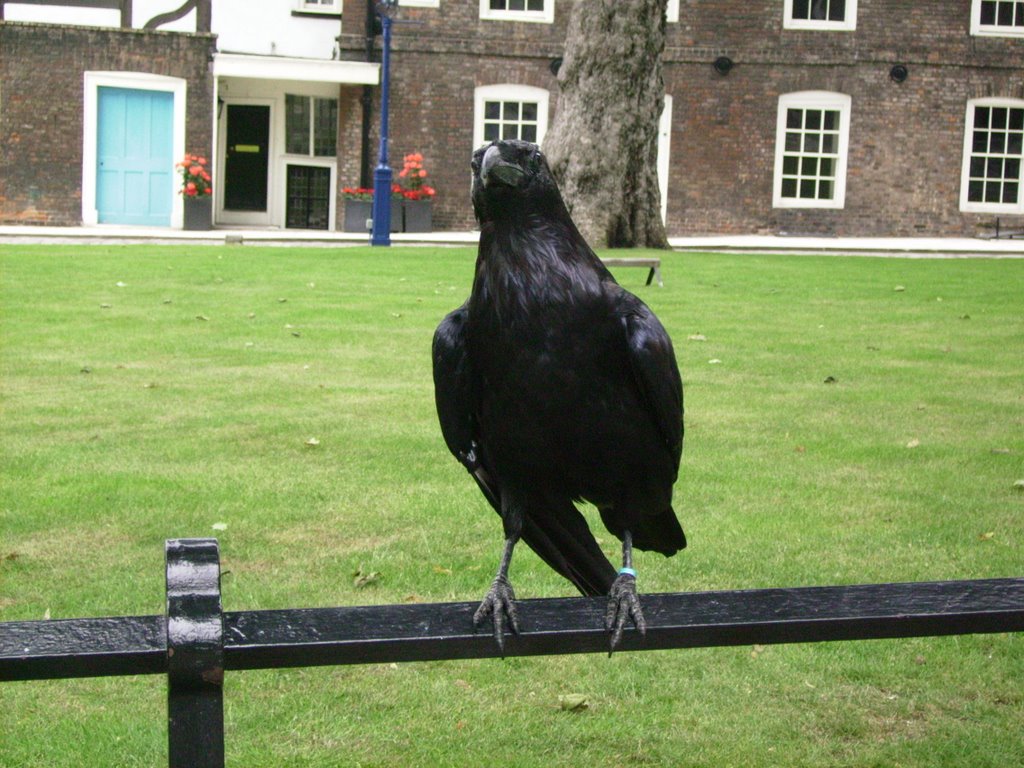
(499, 602)
(623, 603)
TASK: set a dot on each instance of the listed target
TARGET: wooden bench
(654, 265)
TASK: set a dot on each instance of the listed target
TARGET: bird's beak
(495, 170)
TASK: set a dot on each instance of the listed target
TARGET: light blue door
(134, 156)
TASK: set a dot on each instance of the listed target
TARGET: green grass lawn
(848, 420)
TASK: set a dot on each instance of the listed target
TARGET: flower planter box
(357, 212)
(198, 214)
(418, 216)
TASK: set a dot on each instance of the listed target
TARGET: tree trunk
(603, 143)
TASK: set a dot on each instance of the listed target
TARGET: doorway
(246, 158)
(134, 156)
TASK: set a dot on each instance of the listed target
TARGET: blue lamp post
(381, 233)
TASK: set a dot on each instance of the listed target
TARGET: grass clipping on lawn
(848, 420)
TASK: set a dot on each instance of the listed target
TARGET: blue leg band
(627, 572)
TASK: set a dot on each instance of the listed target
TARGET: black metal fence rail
(195, 642)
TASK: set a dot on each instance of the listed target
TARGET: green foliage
(281, 400)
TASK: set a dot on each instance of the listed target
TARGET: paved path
(909, 247)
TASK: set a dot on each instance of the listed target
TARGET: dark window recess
(309, 197)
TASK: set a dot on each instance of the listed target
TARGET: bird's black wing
(554, 529)
(654, 366)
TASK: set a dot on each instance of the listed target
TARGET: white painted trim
(848, 24)
(92, 82)
(990, 30)
(965, 165)
(510, 92)
(812, 100)
(420, 3)
(302, 70)
(664, 150)
(547, 16)
(672, 11)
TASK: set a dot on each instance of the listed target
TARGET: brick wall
(906, 140)
(41, 102)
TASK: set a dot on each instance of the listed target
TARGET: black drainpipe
(365, 169)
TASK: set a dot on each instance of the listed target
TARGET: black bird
(554, 384)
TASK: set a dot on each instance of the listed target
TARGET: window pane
(825, 187)
(830, 143)
(831, 120)
(979, 141)
(827, 167)
(325, 129)
(813, 120)
(997, 142)
(1017, 115)
(1011, 169)
(790, 165)
(497, 5)
(975, 191)
(988, 12)
(296, 124)
(999, 116)
(1005, 14)
(510, 110)
(837, 10)
(812, 141)
(789, 187)
(807, 189)
(535, 5)
(1010, 192)
(981, 115)
(1013, 143)
(517, 5)
(794, 118)
(792, 142)
(995, 168)
(530, 111)
(491, 132)
(801, 9)
(508, 131)
(809, 166)
(977, 170)
(992, 192)
(529, 133)
(492, 110)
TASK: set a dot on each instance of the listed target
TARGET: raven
(553, 384)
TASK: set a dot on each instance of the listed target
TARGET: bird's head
(512, 175)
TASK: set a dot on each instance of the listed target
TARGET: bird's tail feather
(561, 538)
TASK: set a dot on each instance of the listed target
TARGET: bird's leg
(623, 602)
(499, 602)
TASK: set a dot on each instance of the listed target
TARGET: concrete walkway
(862, 246)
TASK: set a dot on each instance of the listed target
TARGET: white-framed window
(421, 3)
(835, 15)
(310, 126)
(319, 6)
(997, 17)
(811, 144)
(991, 178)
(518, 10)
(509, 112)
(672, 12)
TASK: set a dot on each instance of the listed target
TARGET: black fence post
(195, 655)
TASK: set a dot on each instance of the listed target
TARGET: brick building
(846, 117)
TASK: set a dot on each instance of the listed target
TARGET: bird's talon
(623, 604)
(498, 603)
